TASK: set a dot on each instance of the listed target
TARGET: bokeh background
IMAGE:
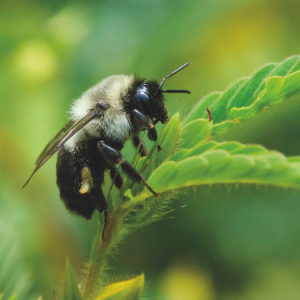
(228, 242)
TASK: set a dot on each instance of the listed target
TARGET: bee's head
(150, 101)
(148, 98)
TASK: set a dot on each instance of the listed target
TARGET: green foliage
(189, 157)
(52, 51)
(15, 297)
(71, 290)
(270, 85)
(204, 162)
(13, 273)
(221, 166)
(124, 290)
(186, 156)
(207, 162)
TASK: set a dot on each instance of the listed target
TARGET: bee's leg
(147, 122)
(152, 134)
(137, 142)
(114, 157)
(116, 177)
(100, 203)
(98, 198)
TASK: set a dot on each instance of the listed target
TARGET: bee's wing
(60, 139)
(54, 141)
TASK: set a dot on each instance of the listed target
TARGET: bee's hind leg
(114, 157)
(100, 203)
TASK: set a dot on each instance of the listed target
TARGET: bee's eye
(141, 95)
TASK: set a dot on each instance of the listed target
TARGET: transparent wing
(54, 141)
(58, 141)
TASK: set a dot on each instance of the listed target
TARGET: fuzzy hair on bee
(102, 120)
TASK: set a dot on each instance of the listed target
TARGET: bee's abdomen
(68, 179)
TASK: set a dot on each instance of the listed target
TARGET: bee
(102, 120)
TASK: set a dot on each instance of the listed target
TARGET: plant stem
(97, 262)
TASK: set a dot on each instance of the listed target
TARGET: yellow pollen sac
(87, 181)
(85, 187)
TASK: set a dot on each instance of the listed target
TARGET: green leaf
(166, 173)
(295, 68)
(293, 159)
(277, 90)
(179, 155)
(194, 133)
(245, 95)
(128, 194)
(229, 162)
(71, 289)
(199, 110)
(202, 148)
(124, 290)
(222, 127)
(140, 163)
(270, 85)
(219, 107)
(289, 65)
(273, 87)
(231, 147)
(167, 140)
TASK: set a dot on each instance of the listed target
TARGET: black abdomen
(68, 176)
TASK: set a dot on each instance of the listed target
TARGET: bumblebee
(102, 120)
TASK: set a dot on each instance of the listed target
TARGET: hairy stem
(100, 249)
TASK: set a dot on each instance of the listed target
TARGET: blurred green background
(229, 242)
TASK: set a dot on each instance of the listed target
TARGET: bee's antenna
(176, 71)
(176, 91)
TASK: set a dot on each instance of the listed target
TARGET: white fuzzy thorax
(114, 122)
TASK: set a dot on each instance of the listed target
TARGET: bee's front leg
(137, 142)
(116, 176)
(143, 120)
